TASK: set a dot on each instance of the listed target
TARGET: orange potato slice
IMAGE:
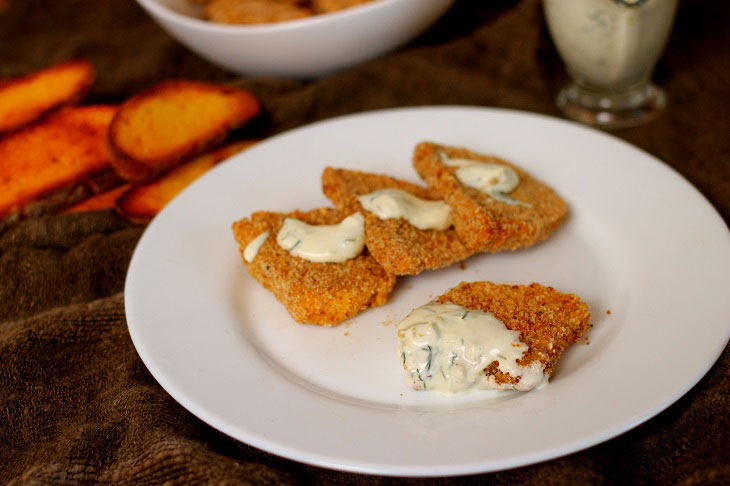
(144, 200)
(104, 200)
(27, 98)
(173, 121)
(55, 162)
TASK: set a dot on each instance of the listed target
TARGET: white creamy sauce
(445, 348)
(606, 44)
(333, 243)
(395, 203)
(495, 180)
(252, 248)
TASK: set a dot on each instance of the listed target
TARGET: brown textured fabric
(77, 406)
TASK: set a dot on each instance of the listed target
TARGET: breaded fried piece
(254, 11)
(324, 6)
(482, 222)
(547, 320)
(401, 248)
(315, 293)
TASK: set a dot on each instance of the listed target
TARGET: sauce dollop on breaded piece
(482, 335)
(400, 247)
(527, 215)
(314, 293)
(546, 319)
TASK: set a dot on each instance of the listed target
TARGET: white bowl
(302, 48)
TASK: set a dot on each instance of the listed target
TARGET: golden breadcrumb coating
(401, 248)
(482, 222)
(547, 320)
(315, 293)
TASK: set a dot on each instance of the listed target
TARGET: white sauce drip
(395, 203)
(333, 243)
(495, 180)
(252, 248)
(445, 348)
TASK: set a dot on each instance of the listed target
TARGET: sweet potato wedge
(144, 200)
(27, 98)
(55, 162)
(104, 200)
(173, 121)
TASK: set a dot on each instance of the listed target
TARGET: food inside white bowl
(267, 11)
(302, 48)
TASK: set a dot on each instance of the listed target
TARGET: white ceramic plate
(640, 242)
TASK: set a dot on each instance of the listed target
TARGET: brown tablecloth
(76, 403)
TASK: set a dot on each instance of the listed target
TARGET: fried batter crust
(316, 293)
(400, 247)
(546, 319)
(484, 223)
